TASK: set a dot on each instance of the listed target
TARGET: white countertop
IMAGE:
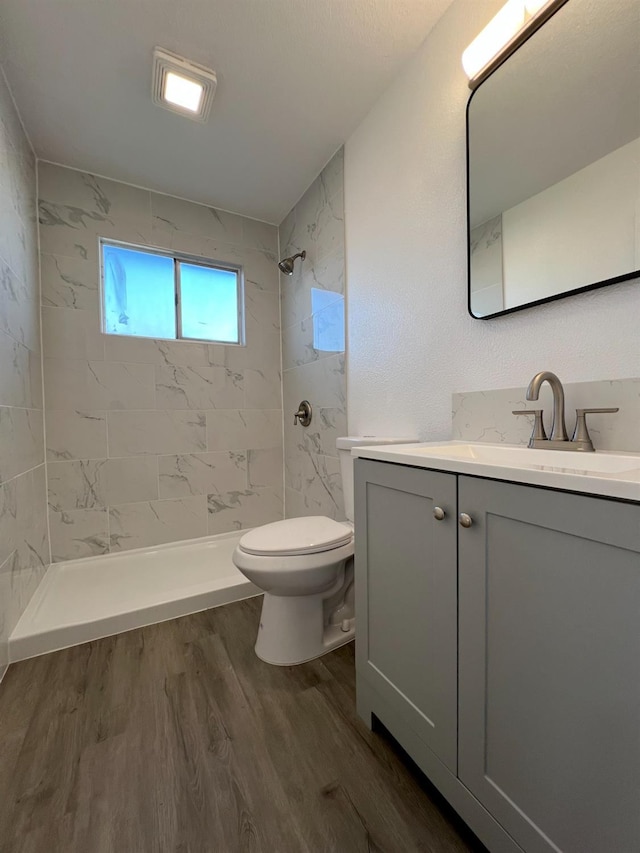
(614, 475)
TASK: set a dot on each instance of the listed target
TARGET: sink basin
(516, 457)
(600, 473)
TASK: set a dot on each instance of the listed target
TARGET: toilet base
(293, 630)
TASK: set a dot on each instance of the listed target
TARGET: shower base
(87, 599)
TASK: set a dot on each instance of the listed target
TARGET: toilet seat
(296, 537)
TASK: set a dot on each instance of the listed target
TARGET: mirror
(553, 139)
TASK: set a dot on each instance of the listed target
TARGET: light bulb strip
(530, 26)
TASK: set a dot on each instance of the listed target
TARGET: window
(154, 294)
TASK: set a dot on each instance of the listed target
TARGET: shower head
(286, 264)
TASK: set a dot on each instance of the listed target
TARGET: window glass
(209, 299)
(139, 293)
(158, 295)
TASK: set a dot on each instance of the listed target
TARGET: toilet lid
(296, 536)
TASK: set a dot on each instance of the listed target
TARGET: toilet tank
(344, 446)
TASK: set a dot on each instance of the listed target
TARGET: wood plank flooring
(176, 739)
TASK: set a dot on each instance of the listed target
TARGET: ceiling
(295, 77)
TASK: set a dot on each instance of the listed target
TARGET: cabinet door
(549, 691)
(406, 596)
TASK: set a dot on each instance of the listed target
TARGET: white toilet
(305, 567)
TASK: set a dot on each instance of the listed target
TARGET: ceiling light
(182, 92)
(181, 86)
(504, 33)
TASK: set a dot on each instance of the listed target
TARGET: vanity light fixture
(181, 86)
(504, 34)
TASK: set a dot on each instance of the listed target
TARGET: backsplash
(24, 541)
(486, 415)
(152, 441)
(312, 307)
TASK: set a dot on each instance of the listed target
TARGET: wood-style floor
(177, 738)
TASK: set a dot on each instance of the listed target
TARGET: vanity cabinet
(407, 644)
(543, 745)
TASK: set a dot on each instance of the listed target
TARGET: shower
(286, 264)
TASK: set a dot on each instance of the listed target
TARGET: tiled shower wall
(24, 544)
(313, 349)
(153, 441)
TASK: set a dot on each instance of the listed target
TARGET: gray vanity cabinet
(406, 593)
(505, 655)
(549, 657)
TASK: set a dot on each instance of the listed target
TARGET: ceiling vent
(181, 86)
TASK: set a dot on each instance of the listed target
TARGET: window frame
(178, 258)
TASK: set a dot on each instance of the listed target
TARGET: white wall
(587, 225)
(411, 340)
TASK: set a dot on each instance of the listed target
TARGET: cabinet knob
(465, 520)
(438, 513)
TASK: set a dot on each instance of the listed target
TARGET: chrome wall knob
(438, 513)
(465, 520)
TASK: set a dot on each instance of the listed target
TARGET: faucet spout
(558, 428)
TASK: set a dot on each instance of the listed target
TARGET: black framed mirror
(553, 162)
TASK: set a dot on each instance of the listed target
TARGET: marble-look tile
(260, 235)
(21, 441)
(9, 519)
(321, 382)
(76, 434)
(139, 525)
(202, 473)
(77, 208)
(158, 432)
(20, 376)
(78, 533)
(263, 388)
(24, 543)
(262, 310)
(320, 436)
(238, 510)
(317, 478)
(75, 485)
(133, 478)
(319, 221)
(160, 352)
(19, 312)
(175, 214)
(325, 275)
(91, 483)
(319, 336)
(261, 351)
(69, 283)
(29, 557)
(486, 415)
(199, 388)
(79, 384)
(332, 176)
(229, 429)
(72, 333)
(265, 467)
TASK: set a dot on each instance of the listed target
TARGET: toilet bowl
(305, 568)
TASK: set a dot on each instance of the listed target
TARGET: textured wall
(153, 441)
(411, 342)
(24, 544)
(313, 359)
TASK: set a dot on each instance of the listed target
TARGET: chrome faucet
(558, 440)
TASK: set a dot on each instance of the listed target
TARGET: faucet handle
(538, 433)
(581, 433)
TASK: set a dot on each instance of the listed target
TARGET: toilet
(305, 568)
